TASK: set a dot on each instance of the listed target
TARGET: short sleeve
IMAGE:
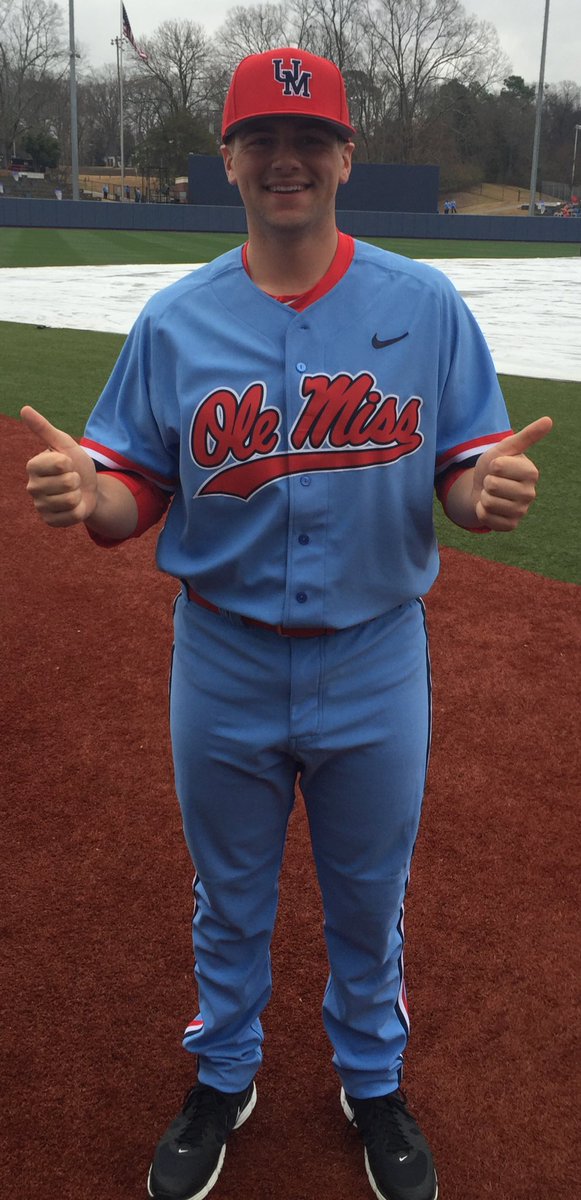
(472, 414)
(134, 426)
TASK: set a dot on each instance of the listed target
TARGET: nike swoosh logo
(379, 345)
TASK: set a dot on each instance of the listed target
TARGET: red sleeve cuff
(444, 484)
(151, 502)
(443, 487)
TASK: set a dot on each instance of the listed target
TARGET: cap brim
(345, 131)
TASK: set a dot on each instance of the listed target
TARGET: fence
(194, 218)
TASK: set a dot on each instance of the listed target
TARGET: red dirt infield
(96, 947)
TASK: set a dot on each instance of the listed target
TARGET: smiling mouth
(289, 189)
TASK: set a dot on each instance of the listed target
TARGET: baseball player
(292, 405)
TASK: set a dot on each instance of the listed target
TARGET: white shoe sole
(351, 1118)
(242, 1117)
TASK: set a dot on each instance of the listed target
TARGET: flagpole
(125, 34)
(121, 115)
(117, 42)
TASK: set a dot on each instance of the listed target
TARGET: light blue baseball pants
(350, 713)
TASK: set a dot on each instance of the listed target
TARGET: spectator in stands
(105, 191)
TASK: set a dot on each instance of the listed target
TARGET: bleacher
(32, 186)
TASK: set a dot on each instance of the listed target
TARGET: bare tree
(327, 27)
(31, 51)
(178, 56)
(421, 44)
(334, 29)
(98, 109)
(145, 104)
(252, 30)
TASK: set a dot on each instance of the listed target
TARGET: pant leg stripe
(401, 1004)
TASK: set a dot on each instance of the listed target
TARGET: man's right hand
(62, 479)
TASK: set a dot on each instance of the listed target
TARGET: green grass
(96, 247)
(59, 371)
(440, 248)
(62, 371)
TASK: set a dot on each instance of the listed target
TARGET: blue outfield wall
(199, 218)
(372, 187)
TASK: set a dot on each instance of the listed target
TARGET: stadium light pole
(539, 113)
(577, 128)
(74, 125)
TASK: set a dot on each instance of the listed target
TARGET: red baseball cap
(287, 82)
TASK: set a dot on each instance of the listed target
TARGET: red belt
(255, 624)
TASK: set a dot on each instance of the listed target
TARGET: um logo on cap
(295, 82)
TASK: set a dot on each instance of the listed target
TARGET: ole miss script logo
(345, 423)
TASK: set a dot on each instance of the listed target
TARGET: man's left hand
(504, 480)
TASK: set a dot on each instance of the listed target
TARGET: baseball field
(97, 963)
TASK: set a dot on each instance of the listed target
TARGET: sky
(519, 24)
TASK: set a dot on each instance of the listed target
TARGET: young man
(297, 400)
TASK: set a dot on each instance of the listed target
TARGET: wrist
(114, 513)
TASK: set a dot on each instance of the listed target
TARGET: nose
(285, 154)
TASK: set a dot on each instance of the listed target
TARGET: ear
(347, 149)
(227, 154)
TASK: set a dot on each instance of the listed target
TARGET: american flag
(128, 33)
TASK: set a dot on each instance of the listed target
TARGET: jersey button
(302, 597)
(306, 480)
(301, 366)
(304, 539)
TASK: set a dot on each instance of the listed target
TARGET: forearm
(459, 504)
(115, 514)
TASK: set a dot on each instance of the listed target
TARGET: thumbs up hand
(62, 479)
(504, 480)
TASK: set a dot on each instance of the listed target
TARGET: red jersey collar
(340, 264)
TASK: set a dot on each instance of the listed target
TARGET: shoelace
(380, 1122)
(203, 1106)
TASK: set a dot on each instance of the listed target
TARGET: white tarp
(529, 309)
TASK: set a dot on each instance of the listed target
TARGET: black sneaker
(398, 1159)
(190, 1155)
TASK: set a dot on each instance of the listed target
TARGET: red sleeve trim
(468, 449)
(151, 502)
(111, 459)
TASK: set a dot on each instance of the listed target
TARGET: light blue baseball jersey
(301, 448)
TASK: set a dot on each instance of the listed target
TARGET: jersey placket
(308, 495)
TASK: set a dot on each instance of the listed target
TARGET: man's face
(288, 170)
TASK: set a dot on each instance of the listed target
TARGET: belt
(254, 623)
